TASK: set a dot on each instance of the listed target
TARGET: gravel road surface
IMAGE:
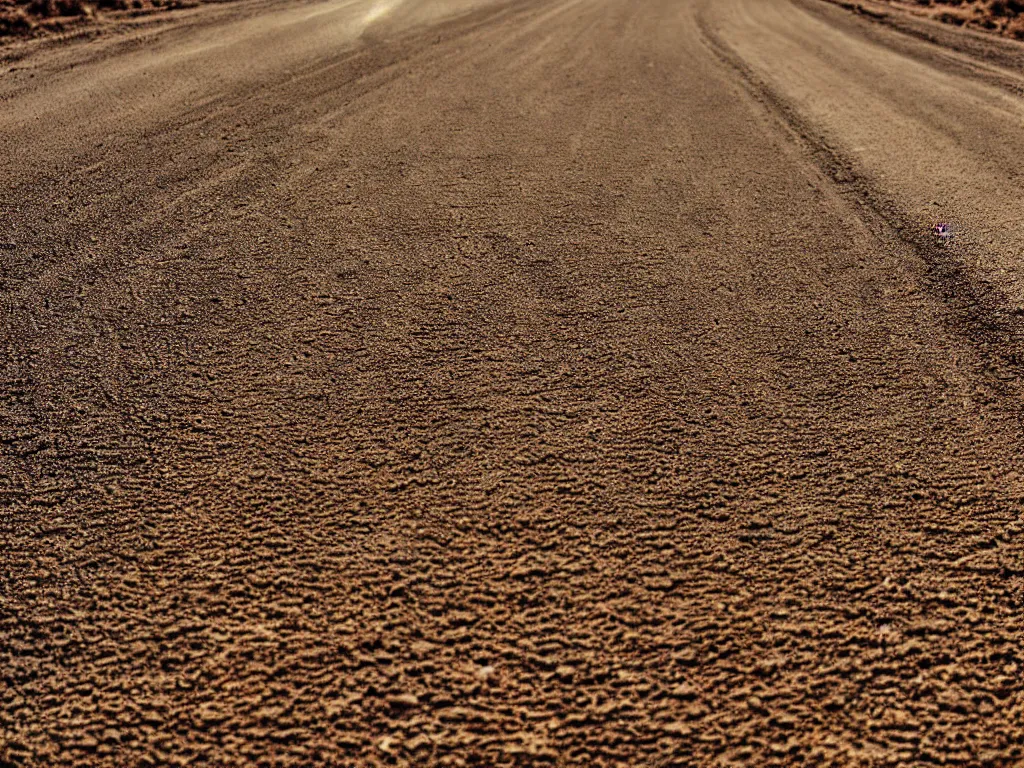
(482, 383)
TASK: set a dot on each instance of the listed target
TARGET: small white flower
(944, 231)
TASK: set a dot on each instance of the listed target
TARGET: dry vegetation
(28, 17)
(1004, 17)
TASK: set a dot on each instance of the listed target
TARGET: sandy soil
(512, 383)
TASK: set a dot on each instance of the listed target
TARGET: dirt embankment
(32, 17)
(1004, 17)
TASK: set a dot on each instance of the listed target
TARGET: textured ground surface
(568, 381)
(1004, 17)
(30, 18)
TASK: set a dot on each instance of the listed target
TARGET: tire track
(975, 308)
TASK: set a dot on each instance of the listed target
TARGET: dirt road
(488, 383)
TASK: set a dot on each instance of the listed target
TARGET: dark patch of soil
(33, 17)
(1004, 17)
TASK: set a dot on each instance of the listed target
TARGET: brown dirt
(511, 383)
